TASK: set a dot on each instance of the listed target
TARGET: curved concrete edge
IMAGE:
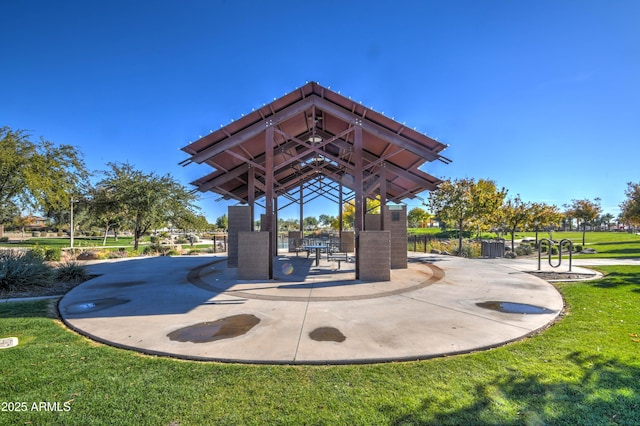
(319, 362)
(31, 299)
(436, 321)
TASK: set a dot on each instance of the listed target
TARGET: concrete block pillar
(239, 221)
(348, 241)
(375, 255)
(372, 222)
(253, 256)
(395, 221)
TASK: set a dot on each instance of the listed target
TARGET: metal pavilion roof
(313, 141)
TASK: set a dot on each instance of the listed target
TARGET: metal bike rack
(550, 244)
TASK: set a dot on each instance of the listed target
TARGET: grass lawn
(63, 242)
(607, 244)
(583, 370)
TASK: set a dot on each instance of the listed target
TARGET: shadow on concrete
(177, 285)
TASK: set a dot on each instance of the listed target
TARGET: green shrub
(39, 251)
(118, 254)
(71, 272)
(52, 254)
(35, 233)
(440, 245)
(577, 247)
(154, 239)
(103, 254)
(469, 250)
(4, 239)
(74, 252)
(181, 240)
(524, 249)
(23, 269)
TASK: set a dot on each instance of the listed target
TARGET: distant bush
(19, 270)
(35, 233)
(469, 250)
(39, 251)
(510, 255)
(524, 249)
(73, 253)
(577, 248)
(161, 249)
(89, 255)
(52, 254)
(118, 254)
(181, 240)
(4, 239)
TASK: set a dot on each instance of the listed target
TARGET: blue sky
(543, 97)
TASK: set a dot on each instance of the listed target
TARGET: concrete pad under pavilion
(437, 306)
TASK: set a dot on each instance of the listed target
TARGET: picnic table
(317, 248)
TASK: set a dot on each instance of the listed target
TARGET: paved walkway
(195, 308)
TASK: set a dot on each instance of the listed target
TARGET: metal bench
(339, 257)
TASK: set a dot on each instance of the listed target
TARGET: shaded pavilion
(319, 141)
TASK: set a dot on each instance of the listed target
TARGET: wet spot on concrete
(515, 308)
(117, 284)
(224, 328)
(95, 305)
(327, 334)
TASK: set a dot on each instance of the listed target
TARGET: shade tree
(222, 222)
(585, 212)
(466, 203)
(515, 214)
(39, 175)
(630, 208)
(417, 217)
(145, 200)
(544, 216)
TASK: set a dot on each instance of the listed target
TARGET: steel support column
(383, 193)
(251, 196)
(357, 171)
(276, 228)
(340, 211)
(302, 207)
(269, 193)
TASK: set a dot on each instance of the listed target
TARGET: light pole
(71, 222)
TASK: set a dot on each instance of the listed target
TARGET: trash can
(492, 248)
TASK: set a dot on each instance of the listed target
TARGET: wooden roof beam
(399, 171)
(252, 131)
(375, 129)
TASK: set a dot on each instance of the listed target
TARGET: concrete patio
(196, 308)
